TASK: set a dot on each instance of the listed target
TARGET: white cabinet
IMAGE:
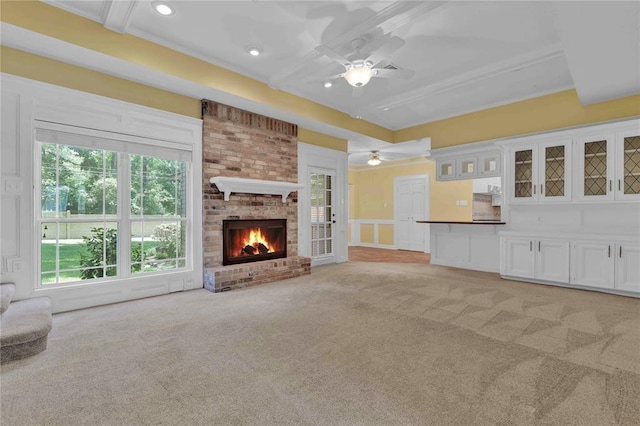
(468, 167)
(603, 264)
(489, 164)
(457, 168)
(469, 164)
(540, 172)
(608, 166)
(446, 169)
(540, 259)
(627, 165)
(627, 261)
(593, 264)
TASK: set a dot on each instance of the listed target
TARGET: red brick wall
(239, 143)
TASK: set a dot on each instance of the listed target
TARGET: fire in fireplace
(253, 240)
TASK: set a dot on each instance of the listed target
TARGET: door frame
(312, 157)
(427, 211)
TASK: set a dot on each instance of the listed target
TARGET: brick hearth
(239, 143)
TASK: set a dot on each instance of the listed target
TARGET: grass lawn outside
(70, 255)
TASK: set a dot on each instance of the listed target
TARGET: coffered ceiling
(465, 56)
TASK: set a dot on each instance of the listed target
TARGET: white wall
(23, 102)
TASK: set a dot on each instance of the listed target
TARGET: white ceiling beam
(601, 41)
(117, 14)
(422, 90)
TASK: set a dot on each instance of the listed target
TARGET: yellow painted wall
(54, 22)
(540, 114)
(385, 234)
(366, 233)
(34, 67)
(373, 187)
(39, 68)
(319, 139)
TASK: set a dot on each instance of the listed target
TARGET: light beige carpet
(356, 343)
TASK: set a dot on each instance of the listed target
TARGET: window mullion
(124, 214)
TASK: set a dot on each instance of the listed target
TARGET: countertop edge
(480, 222)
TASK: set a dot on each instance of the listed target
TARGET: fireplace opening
(253, 240)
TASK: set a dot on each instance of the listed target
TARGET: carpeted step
(24, 328)
(6, 293)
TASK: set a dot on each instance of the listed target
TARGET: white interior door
(323, 215)
(411, 201)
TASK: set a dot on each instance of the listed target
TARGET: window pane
(157, 245)
(78, 181)
(77, 251)
(157, 187)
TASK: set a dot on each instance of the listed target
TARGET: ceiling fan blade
(391, 73)
(332, 54)
(385, 50)
(318, 79)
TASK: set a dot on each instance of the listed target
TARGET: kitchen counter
(473, 222)
(455, 243)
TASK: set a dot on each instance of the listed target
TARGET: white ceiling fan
(362, 68)
(391, 152)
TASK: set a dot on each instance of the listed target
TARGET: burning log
(263, 249)
(249, 250)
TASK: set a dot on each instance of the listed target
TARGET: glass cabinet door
(554, 172)
(555, 177)
(446, 169)
(489, 165)
(595, 168)
(468, 167)
(523, 175)
(629, 182)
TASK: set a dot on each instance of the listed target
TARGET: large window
(109, 209)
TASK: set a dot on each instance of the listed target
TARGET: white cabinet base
(475, 247)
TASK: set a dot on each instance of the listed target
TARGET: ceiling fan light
(358, 74)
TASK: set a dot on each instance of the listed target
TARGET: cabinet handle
(534, 189)
(530, 245)
(621, 252)
(610, 185)
(609, 251)
(538, 245)
(619, 185)
(541, 188)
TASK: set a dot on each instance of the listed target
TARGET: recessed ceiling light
(385, 109)
(254, 51)
(163, 8)
(328, 84)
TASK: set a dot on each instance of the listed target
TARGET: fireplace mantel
(227, 185)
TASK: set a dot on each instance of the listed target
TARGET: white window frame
(123, 217)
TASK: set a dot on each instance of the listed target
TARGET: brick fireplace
(241, 144)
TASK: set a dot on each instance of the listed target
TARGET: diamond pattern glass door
(595, 168)
(554, 171)
(322, 216)
(632, 165)
(524, 174)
